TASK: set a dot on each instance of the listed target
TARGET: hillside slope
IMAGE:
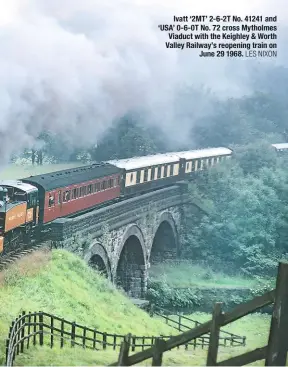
(59, 282)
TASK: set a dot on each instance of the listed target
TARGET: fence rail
(225, 339)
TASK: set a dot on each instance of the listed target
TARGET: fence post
(124, 351)
(10, 336)
(73, 334)
(7, 349)
(277, 344)
(158, 349)
(94, 339)
(84, 337)
(214, 335)
(17, 333)
(22, 331)
(62, 334)
(34, 328)
(133, 343)
(29, 329)
(52, 331)
(104, 340)
(41, 335)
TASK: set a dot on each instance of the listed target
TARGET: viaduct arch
(131, 270)
(165, 243)
(97, 258)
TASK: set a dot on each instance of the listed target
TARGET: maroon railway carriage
(63, 193)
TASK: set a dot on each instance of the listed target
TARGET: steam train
(30, 204)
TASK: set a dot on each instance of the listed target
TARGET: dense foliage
(248, 221)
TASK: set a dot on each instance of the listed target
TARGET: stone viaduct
(123, 238)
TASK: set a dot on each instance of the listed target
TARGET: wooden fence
(274, 353)
(31, 328)
(183, 323)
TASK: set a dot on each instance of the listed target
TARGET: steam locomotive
(30, 204)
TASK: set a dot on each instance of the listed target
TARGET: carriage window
(89, 189)
(131, 177)
(145, 175)
(74, 193)
(118, 180)
(152, 173)
(98, 186)
(165, 171)
(59, 197)
(67, 195)
(159, 172)
(138, 176)
(169, 168)
(51, 200)
(102, 185)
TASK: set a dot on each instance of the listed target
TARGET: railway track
(14, 255)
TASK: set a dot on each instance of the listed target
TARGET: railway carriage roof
(146, 161)
(204, 153)
(153, 160)
(72, 176)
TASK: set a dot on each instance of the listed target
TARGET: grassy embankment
(62, 284)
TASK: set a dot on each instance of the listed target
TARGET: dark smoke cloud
(74, 67)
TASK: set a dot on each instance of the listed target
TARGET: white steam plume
(73, 67)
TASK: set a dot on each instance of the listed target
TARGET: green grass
(186, 275)
(14, 171)
(65, 286)
(62, 284)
